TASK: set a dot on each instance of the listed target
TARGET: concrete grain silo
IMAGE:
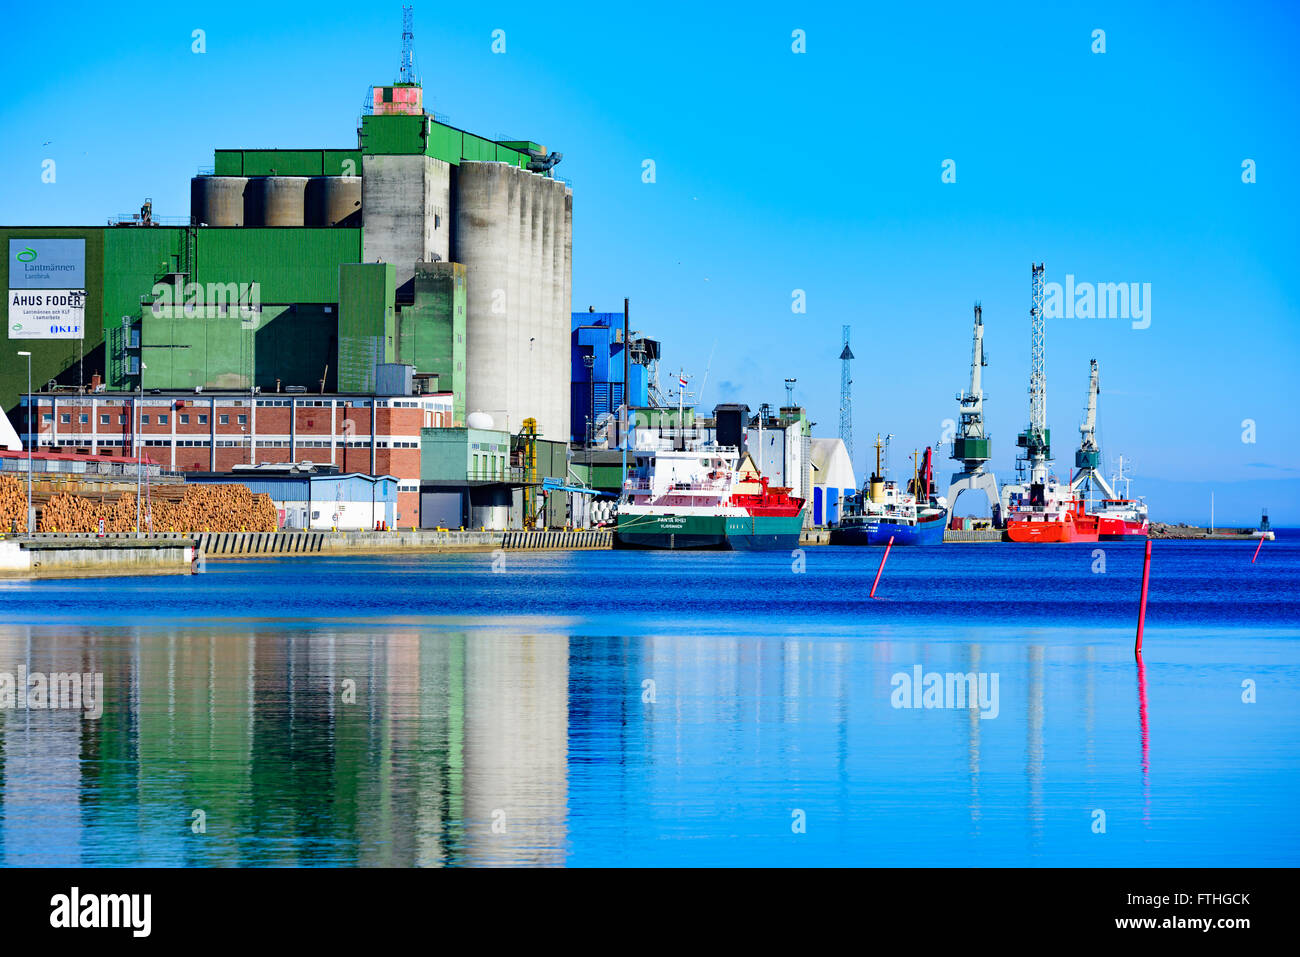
(563, 356)
(556, 321)
(532, 253)
(513, 236)
(482, 208)
(284, 200)
(517, 370)
(218, 200)
(546, 314)
(334, 201)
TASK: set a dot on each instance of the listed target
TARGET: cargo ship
(1050, 512)
(884, 512)
(711, 497)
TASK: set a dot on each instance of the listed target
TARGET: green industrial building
(301, 268)
(424, 260)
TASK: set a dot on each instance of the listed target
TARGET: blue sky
(819, 171)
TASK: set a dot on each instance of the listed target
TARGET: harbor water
(629, 708)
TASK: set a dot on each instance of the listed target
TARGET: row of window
(162, 419)
(262, 443)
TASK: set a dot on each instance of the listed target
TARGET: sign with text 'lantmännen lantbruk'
(47, 289)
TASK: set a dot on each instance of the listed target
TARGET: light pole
(135, 442)
(30, 437)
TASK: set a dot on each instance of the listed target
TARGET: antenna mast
(407, 72)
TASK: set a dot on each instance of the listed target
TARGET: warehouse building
(316, 499)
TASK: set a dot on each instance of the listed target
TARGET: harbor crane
(1035, 442)
(1087, 459)
(970, 447)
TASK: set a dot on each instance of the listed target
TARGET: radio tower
(1036, 440)
(846, 396)
(407, 73)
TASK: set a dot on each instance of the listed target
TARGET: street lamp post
(135, 441)
(30, 437)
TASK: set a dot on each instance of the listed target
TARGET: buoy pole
(883, 558)
(1142, 604)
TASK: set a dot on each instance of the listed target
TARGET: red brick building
(213, 432)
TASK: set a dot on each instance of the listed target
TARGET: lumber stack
(13, 504)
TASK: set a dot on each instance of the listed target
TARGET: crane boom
(1088, 430)
(1036, 440)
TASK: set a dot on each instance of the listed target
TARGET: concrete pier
(68, 557)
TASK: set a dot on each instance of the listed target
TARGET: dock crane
(1087, 459)
(971, 444)
(1035, 442)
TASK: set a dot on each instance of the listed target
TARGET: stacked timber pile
(221, 508)
(65, 512)
(13, 504)
(203, 508)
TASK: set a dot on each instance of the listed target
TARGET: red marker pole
(1142, 604)
(883, 558)
(1257, 548)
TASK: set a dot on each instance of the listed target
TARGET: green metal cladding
(367, 323)
(432, 329)
(292, 265)
(287, 163)
(403, 134)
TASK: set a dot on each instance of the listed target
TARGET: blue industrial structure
(317, 500)
(598, 371)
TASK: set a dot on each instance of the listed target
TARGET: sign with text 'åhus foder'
(47, 289)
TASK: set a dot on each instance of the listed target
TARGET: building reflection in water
(302, 747)
(396, 746)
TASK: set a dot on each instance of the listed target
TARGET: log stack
(13, 504)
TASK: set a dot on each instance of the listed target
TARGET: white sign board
(47, 314)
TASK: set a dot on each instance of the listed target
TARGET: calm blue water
(647, 708)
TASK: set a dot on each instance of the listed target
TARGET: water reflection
(392, 745)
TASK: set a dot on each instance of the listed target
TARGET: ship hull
(1050, 532)
(879, 533)
(701, 532)
(1118, 529)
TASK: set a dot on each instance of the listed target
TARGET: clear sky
(820, 171)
